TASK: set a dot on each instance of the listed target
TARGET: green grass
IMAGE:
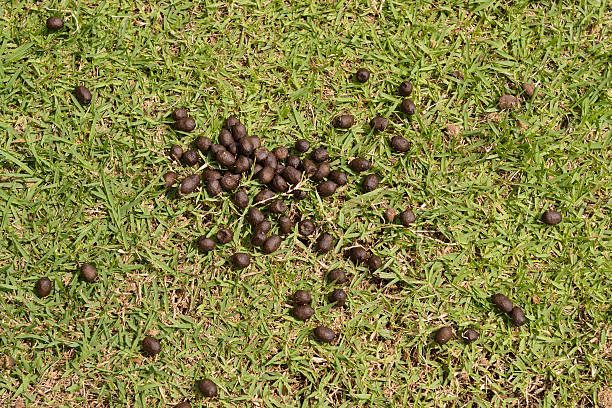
(82, 184)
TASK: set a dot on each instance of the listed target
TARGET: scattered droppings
(324, 334)
(207, 388)
(82, 95)
(151, 346)
(528, 88)
(508, 102)
(517, 315)
(338, 297)
(551, 217)
(470, 335)
(88, 272)
(443, 335)
(43, 287)
(362, 75)
(336, 276)
(502, 302)
(54, 23)
(303, 312)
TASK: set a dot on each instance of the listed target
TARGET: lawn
(83, 184)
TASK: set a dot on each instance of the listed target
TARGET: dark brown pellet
(308, 167)
(528, 88)
(338, 177)
(207, 388)
(82, 95)
(370, 183)
(390, 214)
(358, 255)
(190, 158)
(336, 276)
(190, 183)
(502, 302)
(226, 159)
(327, 188)
(277, 207)
(469, 335)
(322, 172)
(257, 168)
(508, 102)
(338, 297)
(54, 23)
(89, 272)
(231, 121)
(259, 237)
(176, 152)
(266, 175)
(379, 123)
(169, 179)
(285, 225)
(263, 195)
(151, 346)
(241, 199)
(407, 217)
(374, 263)
(299, 194)
(279, 184)
(229, 181)
(272, 244)
(362, 75)
(43, 287)
(261, 154)
(270, 161)
(239, 131)
(301, 297)
(319, 155)
(226, 138)
(203, 144)
(211, 174)
(518, 316)
(233, 149)
(360, 164)
(179, 114)
(344, 121)
(302, 312)
(306, 228)
(245, 146)
(405, 88)
(281, 153)
(302, 145)
(293, 161)
(185, 124)
(184, 404)
(551, 217)
(291, 175)
(324, 334)
(263, 226)
(399, 144)
(324, 243)
(206, 244)
(408, 107)
(255, 216)
(255, 141)
(240, 260)
(213, 187)
(215, 149)
(443, 335)
(242, 164)
(225, 236)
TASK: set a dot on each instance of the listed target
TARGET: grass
(82, 184)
